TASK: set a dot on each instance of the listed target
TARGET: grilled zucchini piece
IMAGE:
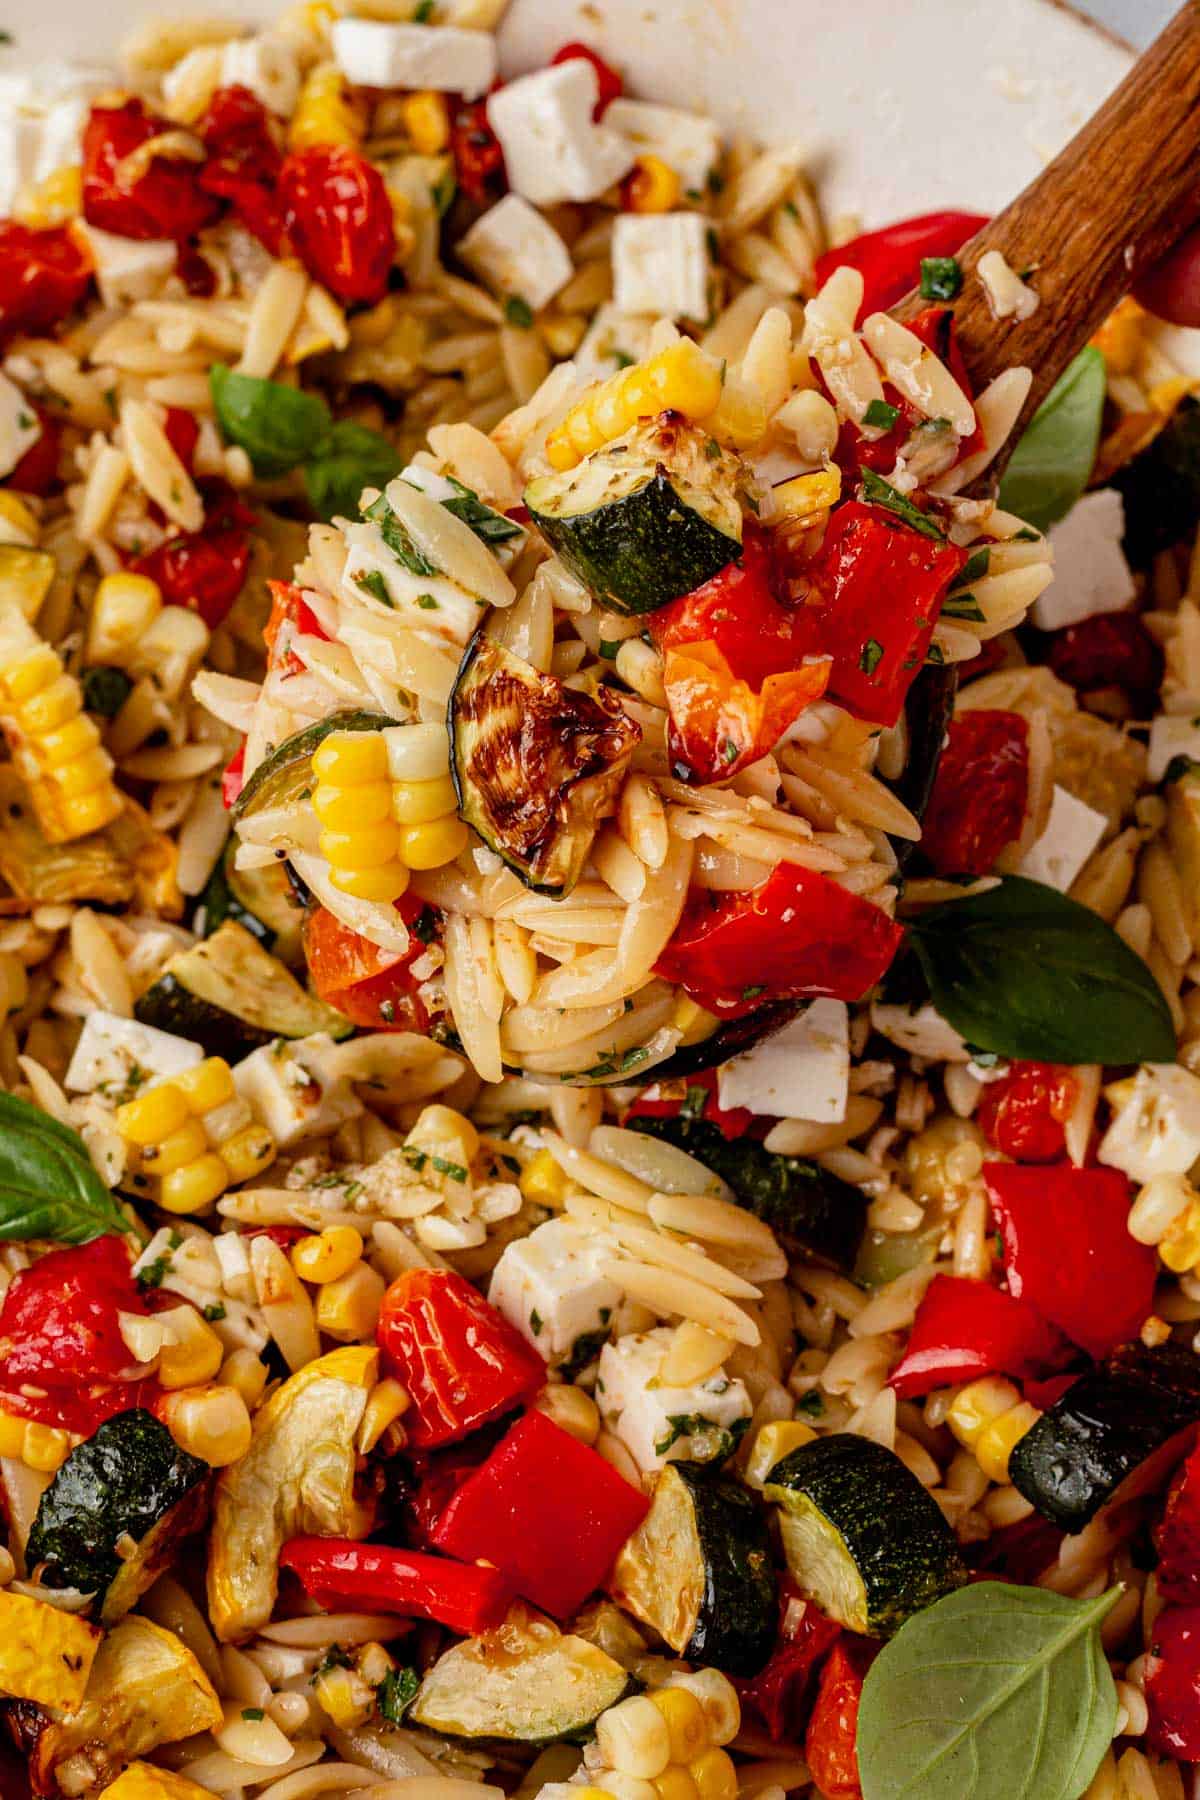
(698, 1569)
(544, 1689)
(263, 901)
(863, 1539)
(647, 518)
(536, 765)
(284, 775)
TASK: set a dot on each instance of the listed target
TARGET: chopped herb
(881, 414)
(535, 1322)
(396, 1693)
(691, 1425)
(716, 182)
(585, 1350)
(622, 359)
(110, 400)
(443, 192)
(387, 1011)
(154, 1273)
(632, 1058)
(424, 12)
(713, 450)
(962, 606)
(1026, 535)
(729, 750)
(424, 926)
(493, 527)
(714, 244)
(518, 312)
(334, 1658)
(694, 1102)
(941, 277)
(791, 209)
(214, 1312)
(882, 493)
(427, 603)
(451, 1170)
(25, 420)
(374, 584)
(754, 990)
(6, 37)
(353, 1190)
(871, 656)
(416, 1159)
(609, 648)
(105, 690)
(811, 1404)
(693, 194)
(976, 565)
(252, 1714)
(397, 539)
(935, 654)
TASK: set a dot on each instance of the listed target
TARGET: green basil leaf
(487, 524)
(352, 458)
(993, 1691)
(1026, 972)
(49, 1187)
(397, 539)
(1051, 465)
(882, 493)
(277, 426)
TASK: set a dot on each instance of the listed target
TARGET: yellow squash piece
(45, 1655)
(297, 1476)
(143, 1781)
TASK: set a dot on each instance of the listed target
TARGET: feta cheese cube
(801, 1072)
(372, 53)
(661, 264)
(1156, 1124)
(921, 1031)
(454, 614)
(126, 269)
(548, 1285)
(659, 1424)
(1072, 832)
(20, 140)
(687, 142)
(1171, 735)
(20, 427)
(1090, 572)
(613, 340)
(267, 67)
(517, 252)
(553, 148)
(61, 142)
(291, 1094)
(111, 1048)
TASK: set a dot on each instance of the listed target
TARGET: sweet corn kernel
(681, 378)
(123, 609)
(675, 1783)
(327, 1255)
(633, 1738)
(351, 808)
(427, 121)
(51, 707)
(347, 757)
(248, 1152)
(1119, 339)
(572, 1410)
(246, 1373)
(434, 845)
(326, 112)
(153, 1115)
(685, 1722)
(211, 1422)
(384, 884)
(14, 983)
(12, 1435)
(348, 1308)
(87, 775)
(995, 1442)
(652, 186)
(52, 201)
(387, 1402)
(85, 813)
(209, 1084)
(1180, 1247)
(988, 1417)
(420, 802)
(375, 324)
(772, 1443)
(542, 1181)
(176, 1150)
(344, 1696)
(805, 496)
(718, 1696)
(714, 1775)
(740, 419)
(1165, 396)
(194, 1188)
(78, 735)
(366, 849)
(45, 1447)
(195, 1355)
(20, 527)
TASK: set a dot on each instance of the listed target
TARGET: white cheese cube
(264, 65)
(801, 1072)
(291, 1094)
(614, 339)
(126, 269)
(548, 1286)
(1072, 832)
(659, 1424)
(111, 1049)
(371, 53)
(20, 141)
(1156, 1128)
(517, 252)
(687, 142)
(430, 604)
(20, 428)
(61, 145)
(921, 1031)
(1090, 572)
(1171, 735)
(553, 148)
(661, 264)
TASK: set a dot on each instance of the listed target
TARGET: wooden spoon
(1106, 209)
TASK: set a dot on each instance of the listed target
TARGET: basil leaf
(351, 459)
(1051, 465)
(276, 426)
(1025, 972)
(882, 493)
(397, 539)
(49, 1187)
(994, 1691)
(492, 527)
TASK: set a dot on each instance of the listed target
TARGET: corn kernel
(740, 419)
(1179, 1247)
(153, 1116)
(326, 112)
(351, 756)
(194, 1188)
(36, 669)
(123, 609)
(434, 845)
(87, 775)
(51, 707)
(384, 884)
(195, 1355)
(375, 324)
(681, 378)
(427, 121)
(675, 1784)
(387, 1402)
(714, 1775)
(12, 1435)
(78, 735)
(420, 802)
(806, 496)
(45, 1448)
(988, 1417)
(345, 808)
(176, 1150)
(344, 1696)
(542, 1181)
(89, 812)
(248, 1152)
(207, 1085)
(718, 1696)
(996, 1441)
(772, 1443)
(246, 1373)
(633, 1738)
(652, 186)
(210, 1422)
(327, 1255)
(367, 849)
(348, 1308)
(20, 523)
(685, 1722)
(52, 201)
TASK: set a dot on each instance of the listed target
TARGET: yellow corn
(167, 1123)
(420, 802)
(210, 1422)
(426, 117)
(14, 983)
(326, 112)
(35, 670)
(351, 757)
(1165, 396)
(346, 809)
(247, 1153)
(194, 1355)
(344, 1696)
(12, 1435)
(652, 186)
(45, 1448)
(1119, 339)
(54, 743)
(52, 201)
(386, 884)
(369, 848)
(193, 1189)
(328, 1254)
(686, 1724)
(443, 1133)
(246, 1373)
(543, 1182)
(387, 1402)
(806, 496)
(740, 419)
(52, 707)
(682, 378)
(373, 830)
(207, 1085)
(20, 525)
(153, 1116)
(348, 1308)
(434, 845)
(374, 326)
(675, 1783)
(85, 776)
(714, 1775)
(772, 1443)
(1179, 1248)
(989, 1417)
(176, 1150)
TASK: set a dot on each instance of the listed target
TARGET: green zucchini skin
(803, 1204)
(128, 1480)
(261, 901)
(1161, 487)
(1124, 1421)
(287, 771)
(928, 710)
(874, 1517)
(472, 1694)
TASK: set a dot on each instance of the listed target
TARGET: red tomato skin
(202, 571)
(1173, 1684)
(1177, 1537)
(478, 158)
(338, 218)
(978, 803)
(1109, 650)
(244, 162)
(373, 987)
(781, 1693)
(1022, 1114)
(830, 1742)
(37, 471)
(43, 276)
(164, 201)
(611, 84)
(889, 260)
(1171, 289)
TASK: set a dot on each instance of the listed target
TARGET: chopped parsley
(451, 1170)
(105, 690)
(935, 654)
(811, 1404)
(387, 1011)
(941, 277)
(881, 414)
(694, 1102)
(424, 12)
(493, 527)
(585, 1350)
(518, 312)
(622, 359)
(729, 750)
(536, 1322)
(962, 606)
(754, 990)
(882, 493)
(713, 450)
(397, 539)
(609, 648)
(252, 1714)
(427, 603)
(443, 192)
(424, 926)
(714, 244)
(214, 1312)
(373, 583)
(871, 656)
(692, 1425)
(976, 565)
(396, 1693)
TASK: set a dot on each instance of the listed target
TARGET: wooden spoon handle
(1106, 209)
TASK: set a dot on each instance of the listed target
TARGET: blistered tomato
(338, 218)
(146, 196)
(978, 803)
(43, 277)
(1023, 1113)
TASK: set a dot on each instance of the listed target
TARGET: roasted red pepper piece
(881, 584)
(244, 162)
(854, 450)
(697, 1097)
(233, 777)
(547, 1512)
(461, 1362)
(1107, 651)
(968, 1328)
(37, 471)
(43, 277)
(611, 85)
(342, 1575)
(291, 615)
(338, 218)
(374, 987)
(1177, 1537)
(889, 260)
(830, 1742)
(796, 934)
(1068, 1252)
(157, 198)
(1172, 1684)
(182, 431)
(979, 797)
(780, 1695)
(478, 158)
(1022, 1114)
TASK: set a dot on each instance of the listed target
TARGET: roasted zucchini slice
(645, 519)
(116, 1511)
(231, 995)
(698, 1569)
(532, 1691)
(284, 775)
(45, 874)
(263, 901)
(1118, 1430)
(863, 1539)
(536, 765)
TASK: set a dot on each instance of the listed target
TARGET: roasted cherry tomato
(889, 260)
(146, 196)
(37, 471)
(376, 988)
(1172, 1684)
(1109, 650)
(611, 85)
(233, 778)
(244, 161)
(1023, 1113)
(696, 1098)
(830, 1742)
(338, 218)
(478, 158)
(43, 277)
(978, 803)
(781, 1694)
(1177, 1537)
(204, 570)
(854, 450)
(291, 615)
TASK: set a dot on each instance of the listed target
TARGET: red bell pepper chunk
(233, 777)
(881, 584)
(461, 1362)
(376, 988)
(979, 796)
(1107, 651)
(889, 260)
(291, 616)
(968, 1328)
(546, 1511)
(697, 1097)
(43, 276)
(160, 199)
(796, 934)
(780, 1693)
(1172, 1684)
(338, 218)
(1068, 1252)
(342, 1575)
(611, 85)
(182, 431)
(37, 470)
(830, 1744)
(244, 162)
(1177, 1536)
(1022, 1114)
